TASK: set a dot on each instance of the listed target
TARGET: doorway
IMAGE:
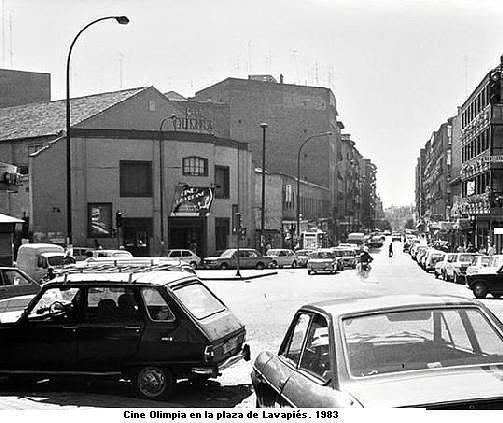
(188, 232)
(136, 235)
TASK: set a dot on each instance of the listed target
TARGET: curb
(237, 278)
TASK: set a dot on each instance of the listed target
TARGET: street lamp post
(297, 212)
(262, 210)
(161, 180)
(123, 20)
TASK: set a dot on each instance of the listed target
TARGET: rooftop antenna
(294, 54)
(249, 57)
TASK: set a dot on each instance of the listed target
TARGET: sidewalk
(230, 275)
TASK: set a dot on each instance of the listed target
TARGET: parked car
(12, 308)
(36, 259)
(422, 249)
(302, 257)
(479, 263)
(432, 258)
(375, 241)
(347, 256)
(440, 266)
(409, 242)
(488, 281)
(382, 352)
(14, 283)
(323, 260)
(185, 255)
(150, 327)
(455, 270)
(110, 253)
(282, 257)
(396, 236)
(82, 253)
(248, 259)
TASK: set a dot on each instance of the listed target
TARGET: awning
(5, 218)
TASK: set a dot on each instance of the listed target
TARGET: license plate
(230, 345)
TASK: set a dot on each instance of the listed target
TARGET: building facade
(172, 187)
(18, 87)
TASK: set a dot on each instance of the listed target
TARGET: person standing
(391, 249)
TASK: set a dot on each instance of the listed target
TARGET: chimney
(280, 78)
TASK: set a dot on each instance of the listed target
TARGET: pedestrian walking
(491, 250)
(391, 249)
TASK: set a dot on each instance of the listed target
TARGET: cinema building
(174, 182)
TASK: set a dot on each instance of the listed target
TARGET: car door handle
(166, 339)
(135, 328)
(73, 328)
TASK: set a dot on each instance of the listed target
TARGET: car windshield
(420, 339)
(322, 254)
(227, 254)
(272, 252)
(199, 300)
(466, 257)
(60, 260)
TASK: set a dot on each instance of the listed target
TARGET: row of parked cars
(481, 273)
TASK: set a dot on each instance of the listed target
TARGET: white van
(36, 259)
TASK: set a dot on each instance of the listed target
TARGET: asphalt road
(266, 306)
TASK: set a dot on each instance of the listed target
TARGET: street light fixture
(262, 210)
(123, 20)
(297, 213)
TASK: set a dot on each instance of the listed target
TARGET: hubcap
(151, 381)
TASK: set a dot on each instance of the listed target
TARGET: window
(99, 220)
(293, 346)
(221, 182)
(111, 305)
(157, 307)
(195, 166)
(56, 303)
(135, 178)
(175, 254)
(199, 300)
(316, 356)
(12, 277)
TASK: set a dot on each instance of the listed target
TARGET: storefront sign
(193, 121)
(498, 231)
(192, 201)
(9, 176)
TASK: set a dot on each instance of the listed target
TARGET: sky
(398, 68)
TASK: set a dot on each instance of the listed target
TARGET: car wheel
(193, 264)
(260, 266)
(479, 290)
(153, 382)
(436, 275)
(496, 295)
(274, 264)
(224, 266)
(294, 264)
(309, 271)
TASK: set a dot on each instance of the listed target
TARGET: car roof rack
(119, 266)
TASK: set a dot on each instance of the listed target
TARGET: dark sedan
(489, 281)
(382, 352)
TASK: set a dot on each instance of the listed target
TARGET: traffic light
(118, 219)
(238, 221)
(495, 87)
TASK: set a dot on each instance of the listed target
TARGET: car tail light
(209, 353)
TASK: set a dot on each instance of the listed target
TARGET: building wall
(95, 179)
(18, 87)
(292, 113)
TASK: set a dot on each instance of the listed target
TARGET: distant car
(12, 308)
(14, 283)
(396, 236)
(480, 263)
(375, 241)
(302, 257)
(110, 253)
(432, 258)
(282, 257)
(440, 266)
(347, 256)
(422, 249)
(323, 260)
(249, 258)
(82, 253)
(382, 352)
(185, 255)
(455, 270)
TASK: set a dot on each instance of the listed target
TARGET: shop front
(188, 221)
